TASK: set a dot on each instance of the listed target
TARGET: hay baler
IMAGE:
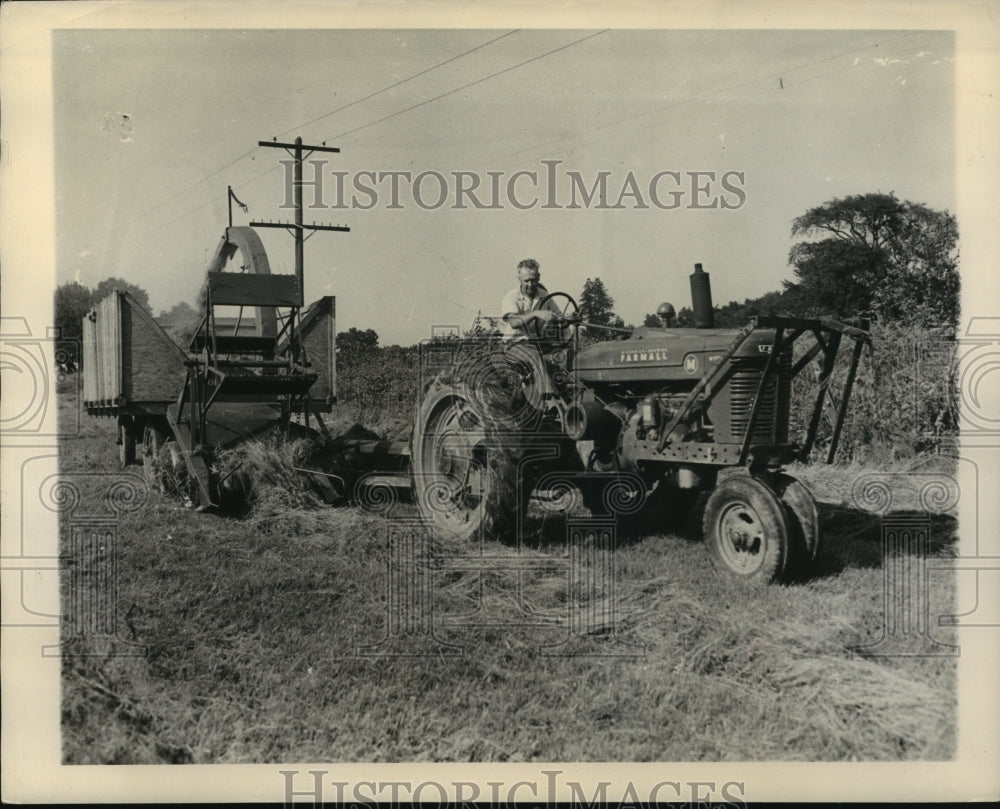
(239, 378)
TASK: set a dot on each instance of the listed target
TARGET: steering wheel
(569, 302)
(564, 317)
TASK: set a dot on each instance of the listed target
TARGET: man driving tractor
(522, 316)
(530, 313)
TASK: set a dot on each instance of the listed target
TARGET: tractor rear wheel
(463, 463)
(747, 529)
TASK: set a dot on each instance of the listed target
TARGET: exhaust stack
(701, 299)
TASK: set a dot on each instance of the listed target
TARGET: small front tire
(746, 529)
(803, 522)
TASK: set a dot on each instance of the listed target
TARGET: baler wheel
(747, 529)
(173, 473)
(126, 442)
(153, 439)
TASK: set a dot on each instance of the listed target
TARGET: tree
(596, 303)
(597, 306)
(924, 281)
(178, 312)
(356, 343)
(876, 253)
(72, 302)
(181, 322)
(109, 285)
(735, 315)
(685, 318)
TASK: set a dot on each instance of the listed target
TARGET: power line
(470, 84)
(301, 126)
(365, 126)
(397, 84)
(728, 88)
(473, 83)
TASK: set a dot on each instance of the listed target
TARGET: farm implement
(239, 379)
(700, 415)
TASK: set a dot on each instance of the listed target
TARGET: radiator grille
(772, 414)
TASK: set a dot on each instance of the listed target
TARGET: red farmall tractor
(686, 410)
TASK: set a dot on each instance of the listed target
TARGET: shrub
(903, 400)
(378, 384)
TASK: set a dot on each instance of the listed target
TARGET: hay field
(260, 639)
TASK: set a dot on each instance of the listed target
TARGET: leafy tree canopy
(178, 313)
(683, 319)
(734, 315)
(73, 301)
(597, 306)
(180, 321)
(357, 342)
(874, 253)
(109, 285)
(596, 303)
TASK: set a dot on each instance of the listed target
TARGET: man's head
(528, 275)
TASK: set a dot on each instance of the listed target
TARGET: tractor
(696, 411)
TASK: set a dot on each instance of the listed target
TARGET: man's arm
(518, 320)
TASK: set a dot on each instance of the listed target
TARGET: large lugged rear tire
(464, 459)
(746, 529)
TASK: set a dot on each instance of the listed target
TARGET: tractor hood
(650, 354)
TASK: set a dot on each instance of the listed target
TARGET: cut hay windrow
(270, 468)
(276, 478)
(282, 480)
(864, 705)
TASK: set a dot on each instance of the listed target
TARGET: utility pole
(297, 229)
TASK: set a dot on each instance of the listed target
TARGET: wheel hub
(742, 529)
(457, 446)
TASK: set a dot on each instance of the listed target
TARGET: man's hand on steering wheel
(569, 315)
(570, 311)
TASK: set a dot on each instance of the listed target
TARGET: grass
(250, 630)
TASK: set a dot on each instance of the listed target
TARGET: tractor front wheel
(803, 523)
(747, 529)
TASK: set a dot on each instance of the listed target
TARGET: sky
(152, 125)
